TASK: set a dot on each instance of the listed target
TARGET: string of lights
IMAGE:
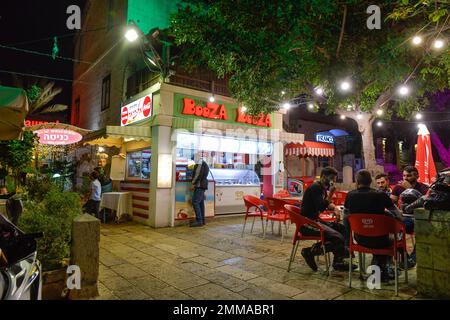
(43, 54)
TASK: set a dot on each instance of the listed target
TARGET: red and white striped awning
(309, 149)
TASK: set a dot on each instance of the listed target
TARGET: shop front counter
(231, 187)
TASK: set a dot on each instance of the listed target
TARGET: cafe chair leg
(253, 224)
(405, 265)
(327, 260)
(243, 229)
(293, 254)
(396, 276)
(264, 231)
(350, 269)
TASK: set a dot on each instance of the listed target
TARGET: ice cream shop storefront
(245, 154)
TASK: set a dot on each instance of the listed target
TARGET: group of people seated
(364, 199)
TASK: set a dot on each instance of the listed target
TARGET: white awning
(115, 136)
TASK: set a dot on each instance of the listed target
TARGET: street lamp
(131, 35)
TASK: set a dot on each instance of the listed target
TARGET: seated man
(315, 201)
(367, 200)
(410, 181)
(382, 181)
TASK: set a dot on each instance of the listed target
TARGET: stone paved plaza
(216, 263)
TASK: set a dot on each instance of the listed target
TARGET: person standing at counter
(200, 185)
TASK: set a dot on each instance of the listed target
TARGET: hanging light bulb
(379, 123)
(419, 116)
(438, 44)
(403, 90)
(359, 116)
(283, 93)
(286, 106)
(417, 40)
(345, 86)
(380, 112)
(310, 106)
(212, 99)
(319, 91)
(343, 117)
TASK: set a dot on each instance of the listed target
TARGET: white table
(121, 202)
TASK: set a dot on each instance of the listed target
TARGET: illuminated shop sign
(138, 110)
(58, 137)
(223, 144)
(325, 138)
(219, 112)
(30, 123)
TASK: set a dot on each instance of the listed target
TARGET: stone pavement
(216, 263)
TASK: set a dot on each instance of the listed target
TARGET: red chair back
(276, 205)
(339, 198)
(372, 225)
(376, 225)
(252, 201)
(299, 220)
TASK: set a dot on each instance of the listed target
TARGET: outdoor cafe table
(121, 202)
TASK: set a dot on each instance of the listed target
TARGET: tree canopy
(269, 47)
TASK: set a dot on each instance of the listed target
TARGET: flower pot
(54, 284)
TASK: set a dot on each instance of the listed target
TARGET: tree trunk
(368, 147)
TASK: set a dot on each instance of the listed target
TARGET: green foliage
(52, 213)
(266, 47)
(33, 93)
(10, 184)
(38, 186)
(16, 155)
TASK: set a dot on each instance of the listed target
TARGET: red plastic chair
(299, 221)
(339, 198)
(277, 213)
(377, 225)
(257, 205)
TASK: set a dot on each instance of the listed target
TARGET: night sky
(31, 25)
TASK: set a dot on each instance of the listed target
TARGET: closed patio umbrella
(13, 110)
(424, 156)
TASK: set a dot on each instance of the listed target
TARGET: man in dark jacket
(200, 184)
(370, 201)
(316, 200)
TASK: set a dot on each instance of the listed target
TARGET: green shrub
(53, 215)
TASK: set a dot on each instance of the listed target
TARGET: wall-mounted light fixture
(165, 164)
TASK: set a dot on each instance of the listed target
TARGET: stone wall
(433, 253)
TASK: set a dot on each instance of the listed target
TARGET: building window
(76, 112)
(106, 90)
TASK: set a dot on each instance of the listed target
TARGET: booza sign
(219, 112)
(326, 138)
(138, 110)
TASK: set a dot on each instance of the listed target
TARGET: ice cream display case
(231, 186)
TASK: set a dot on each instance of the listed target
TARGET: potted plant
(50, 210)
